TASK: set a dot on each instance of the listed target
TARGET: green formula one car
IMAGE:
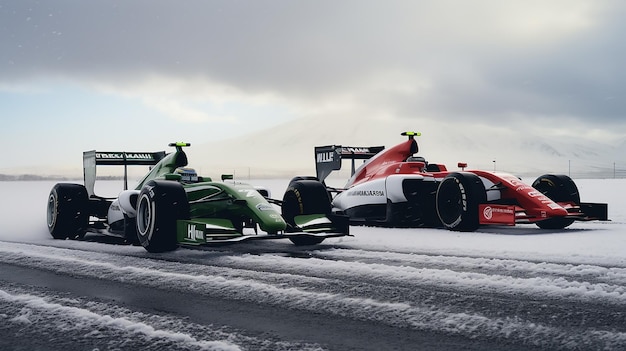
(171, 206)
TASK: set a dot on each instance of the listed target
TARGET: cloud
(179, 112)
(507, 62)
(194, 100)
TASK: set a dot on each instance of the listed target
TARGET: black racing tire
(67, 211)
(302, 197)
(457, 200)
(130, 230)
(558, 188)
(299, 178)
(160, 204)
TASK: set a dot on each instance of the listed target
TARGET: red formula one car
(394, 187)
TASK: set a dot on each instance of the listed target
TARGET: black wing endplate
(328, 158)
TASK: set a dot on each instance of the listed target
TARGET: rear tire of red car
(302, 197)
(160, 204)
(67, 213)
(457, 200)
(559, 188)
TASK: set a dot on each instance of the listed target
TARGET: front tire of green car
(302, 197)
(160, 204)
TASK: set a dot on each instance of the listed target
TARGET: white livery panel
(393, 184)
(369, 193)
(126, 200)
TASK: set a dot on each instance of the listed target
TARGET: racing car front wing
(496, 214)
(219, 231)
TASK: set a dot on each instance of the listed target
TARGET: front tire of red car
(558, 188)
(159, 206)
(457, 200)
(67, 214)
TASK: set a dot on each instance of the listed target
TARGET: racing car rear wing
(328, 158)
(94, 158)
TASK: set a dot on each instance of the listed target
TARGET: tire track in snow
(554, 287)
(82, 323)
(512, 267)
(284, 271)
(91, 323)
(407, 314)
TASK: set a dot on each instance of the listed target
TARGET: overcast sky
(135, 75)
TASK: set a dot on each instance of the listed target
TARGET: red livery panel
(496, 214)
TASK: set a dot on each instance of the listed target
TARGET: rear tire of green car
(67, 212)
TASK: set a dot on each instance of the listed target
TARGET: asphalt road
(274, 296)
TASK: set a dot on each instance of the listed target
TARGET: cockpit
(413, 158)
(428, 167)
(187, 175)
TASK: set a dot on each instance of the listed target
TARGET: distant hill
(35, 177)
(31, 177)
(287, 149)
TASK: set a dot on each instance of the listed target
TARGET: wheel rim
(449, 202)
(145, 217)
(52, 211)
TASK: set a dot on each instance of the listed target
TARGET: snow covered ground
(22, 218)
(522, 285)
(601, 243)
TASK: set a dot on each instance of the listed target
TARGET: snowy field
(22, 219)
(522, 286)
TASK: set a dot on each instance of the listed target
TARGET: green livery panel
(205, 230)
(233, 202)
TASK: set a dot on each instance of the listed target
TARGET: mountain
(287, 150)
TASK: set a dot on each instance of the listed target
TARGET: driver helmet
(414, 158)
(187, 175)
